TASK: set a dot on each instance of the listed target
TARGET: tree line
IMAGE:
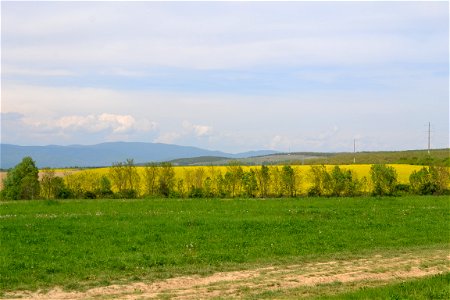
(124, 181)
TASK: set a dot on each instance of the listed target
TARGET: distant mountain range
(107, 153)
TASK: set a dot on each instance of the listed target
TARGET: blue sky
(230, 76)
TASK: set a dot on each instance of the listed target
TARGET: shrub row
(159, 180)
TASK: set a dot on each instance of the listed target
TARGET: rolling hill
(106, 153)
(412, 157)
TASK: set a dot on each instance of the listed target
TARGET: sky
(229, 76)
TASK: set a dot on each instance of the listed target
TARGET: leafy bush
(166, 179)
(403, 189)
(64, 193)
(196, 193)
(89, 195)
(320, 180)
(337, 183)
(22, 181)
(430, 181)
(104, 188)
(250, 184)
(127, 194)
(343, 183)
(384, 180)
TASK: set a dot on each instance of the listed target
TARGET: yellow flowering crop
(184, 174)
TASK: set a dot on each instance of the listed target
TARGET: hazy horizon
(227, 76)
(230, 152)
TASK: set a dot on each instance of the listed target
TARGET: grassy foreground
(435, 287)
(77, 243)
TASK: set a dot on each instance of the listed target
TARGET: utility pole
(354, 151)
(429, 137)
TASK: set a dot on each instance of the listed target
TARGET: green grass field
(435, 287)
(82, 243)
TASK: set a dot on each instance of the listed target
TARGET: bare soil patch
(2, 176)
(58, 173)
(374, 270)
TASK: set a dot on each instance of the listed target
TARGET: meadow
(436, 287)
(78, 244)
(433, 287)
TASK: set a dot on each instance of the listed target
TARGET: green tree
(222, 186)
(132, 178)
(429, 181)
(166, 179)
(320, 179)
(441, 176)
(343, 183)
(250, 184)
(126, 178)
(22, 181)
(421, 182)
(276, 182)
(104, 190)
(180, 188)
(118, 176)
(199, 175)
(189, 179)
(47, 183)
(288, 181)
(151, 173)
(228, 184)
(74, 183)
(60, 190)
(213, 187)
(263, 176)
(52, 186)
(83, 184)
(384, 180)
(195, 182)
(233, 178)
(209, 192)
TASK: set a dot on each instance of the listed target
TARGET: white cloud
(279, 142)
(115, 124)
(186, 133)
(14, 70)
(118, 123)
(88, 123)
(291, 51)
(197, 130)
(168, 138)
(352, 64)
(221, 36)
(201, 130)
(230, 123)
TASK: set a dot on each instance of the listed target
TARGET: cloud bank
(228, 76)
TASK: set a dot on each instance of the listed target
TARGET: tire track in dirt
(376, 269)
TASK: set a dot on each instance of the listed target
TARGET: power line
(429, 137)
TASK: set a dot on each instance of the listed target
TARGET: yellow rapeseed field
(403, 171)
(183, 173)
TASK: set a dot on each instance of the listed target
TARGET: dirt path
(372, 270)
